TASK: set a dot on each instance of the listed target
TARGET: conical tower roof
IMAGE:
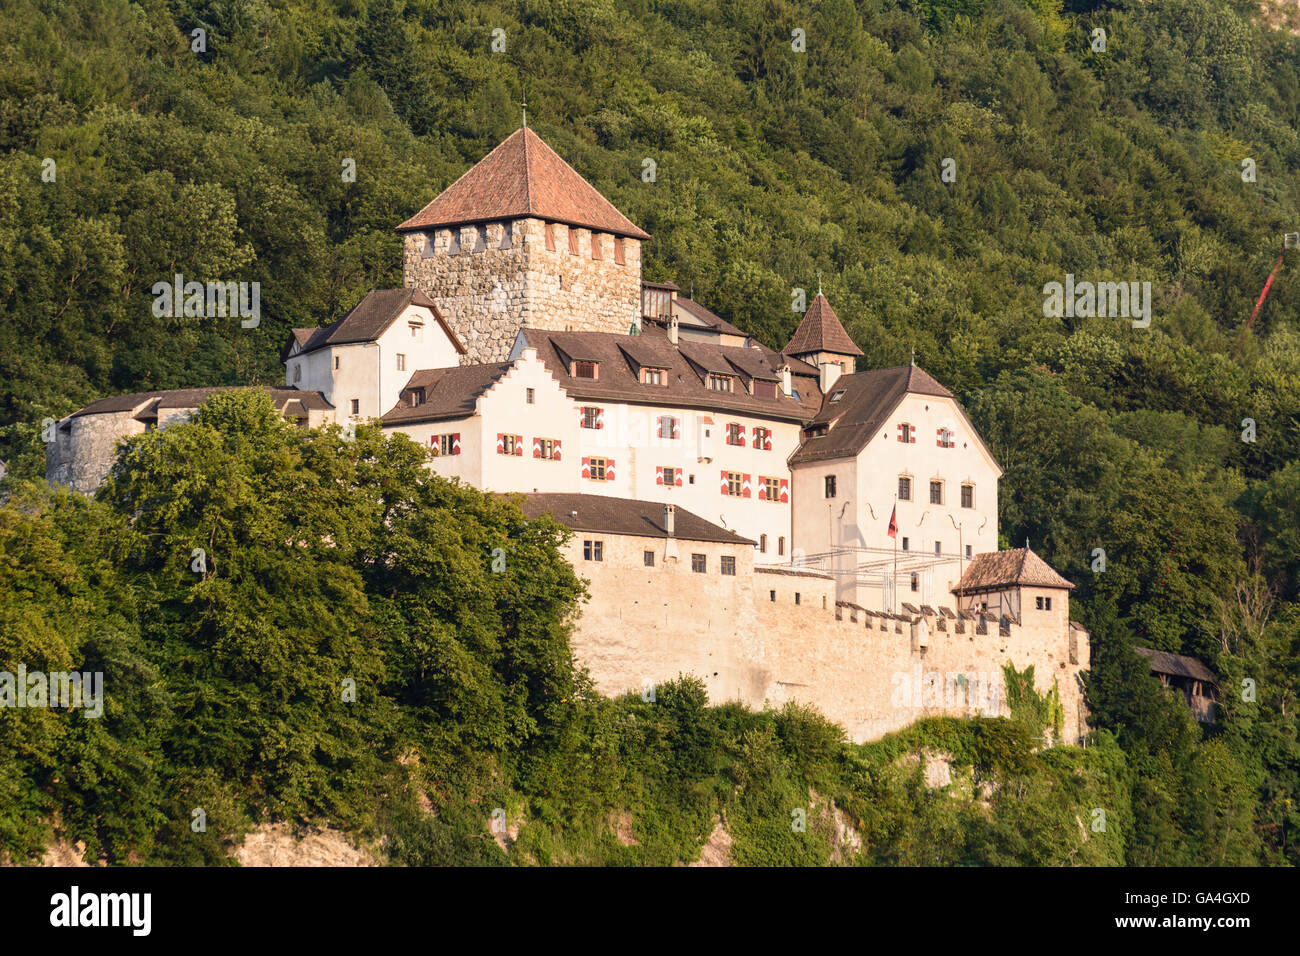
(523, 177)
(821, 331)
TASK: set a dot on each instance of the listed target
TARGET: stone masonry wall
(748, 640)
(82, 455)
(84, 448)
(487, 292)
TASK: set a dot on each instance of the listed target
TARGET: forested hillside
(771, 164)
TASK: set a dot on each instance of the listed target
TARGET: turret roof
(821, 331)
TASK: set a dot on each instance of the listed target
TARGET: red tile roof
(523, 177)
(684, 385)
(869, 398)
(821, 331)
(715, 322)
(147, 404)
(1018, 567)
(367, 321)
(449, 393)
(610, 515)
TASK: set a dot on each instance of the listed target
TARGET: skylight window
(839, 393)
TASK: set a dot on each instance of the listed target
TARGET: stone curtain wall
(874, 681)
(643, 626)
(487, 292)
(81, 457)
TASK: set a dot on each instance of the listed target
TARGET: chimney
(670, 523)
(785, 380)
(672, 329)
(830, 374)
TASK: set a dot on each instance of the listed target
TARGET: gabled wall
(869, 482)
(368, 371)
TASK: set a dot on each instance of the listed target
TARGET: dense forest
(787, 139)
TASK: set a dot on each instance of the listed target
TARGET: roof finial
(524, 105)
(819, 281)
(913, 355)
(1026, 542)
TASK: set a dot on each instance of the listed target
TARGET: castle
(779, 523)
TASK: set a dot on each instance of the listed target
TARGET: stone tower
(522, 239)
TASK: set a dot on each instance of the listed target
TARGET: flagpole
(893, 584)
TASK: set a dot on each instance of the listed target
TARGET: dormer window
(585, 369)
(764, 389)
(417, 397)
(654, 376)
(720, 383)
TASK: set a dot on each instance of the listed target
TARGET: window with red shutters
(445, 444)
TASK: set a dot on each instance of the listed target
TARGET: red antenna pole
(1259, 303)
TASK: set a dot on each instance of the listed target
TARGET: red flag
(893, 522)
